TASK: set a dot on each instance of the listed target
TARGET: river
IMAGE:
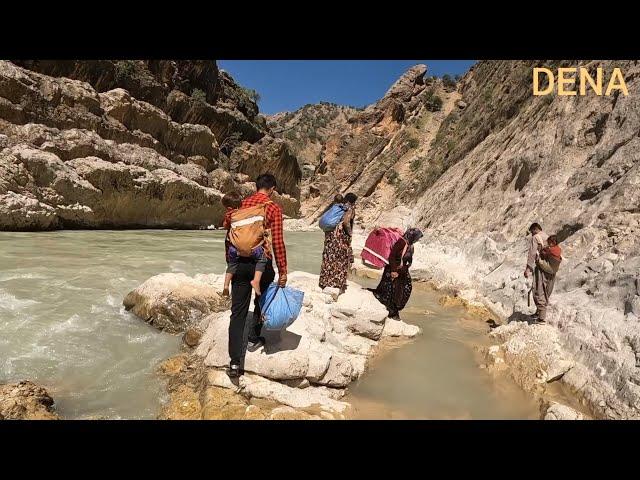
(62, 324)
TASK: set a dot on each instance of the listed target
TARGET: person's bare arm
(346, 221)
(531, 256)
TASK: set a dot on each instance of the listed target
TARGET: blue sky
(286, 85)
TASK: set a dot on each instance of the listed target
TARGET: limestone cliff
(478, 172)
(126, 144)
(366, 151)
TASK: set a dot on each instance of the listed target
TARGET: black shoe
(253, 346)
(234, 371)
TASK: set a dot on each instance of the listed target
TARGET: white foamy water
(62, 323)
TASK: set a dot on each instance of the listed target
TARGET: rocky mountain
(125, 144)
(366, 151)
(477, 172)
(307, 129)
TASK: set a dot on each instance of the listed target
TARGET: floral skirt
(394, 294)
(337, 257)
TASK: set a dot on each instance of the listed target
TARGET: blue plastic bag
(332, 217)
(280, 306)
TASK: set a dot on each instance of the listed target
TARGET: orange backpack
(247, 230)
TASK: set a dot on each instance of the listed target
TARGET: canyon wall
(477, 172)
(130, 144)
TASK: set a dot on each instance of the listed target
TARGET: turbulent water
(62, 325)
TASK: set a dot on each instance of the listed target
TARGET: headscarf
(412, 235)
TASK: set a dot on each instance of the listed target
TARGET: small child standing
(232, 201)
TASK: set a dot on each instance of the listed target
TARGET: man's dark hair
(535, 226)
(232, 200)
(350, 198)
(338, 198)
(552, 240)
(266, 181)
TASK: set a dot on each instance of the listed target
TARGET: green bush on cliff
(125, 70)
(393, 177)
(416, 163)
(413, 142)
(432, 102)
(251, 94)
(448, 82)
(198, 96)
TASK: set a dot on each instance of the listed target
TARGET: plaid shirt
(274, 223)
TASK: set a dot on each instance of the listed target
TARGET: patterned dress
(394, 294)
(337, 257)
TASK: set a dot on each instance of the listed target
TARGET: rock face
(102, 144)
(494, 160)
(25, 401)
(307, 129)
(306, 367)
(365, 151)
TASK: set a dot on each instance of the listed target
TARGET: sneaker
(234, 371)
(253, 346)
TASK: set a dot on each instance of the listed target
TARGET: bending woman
(337, 254)
(395, 286)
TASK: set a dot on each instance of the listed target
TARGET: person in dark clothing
(244, 330)
(395, 286)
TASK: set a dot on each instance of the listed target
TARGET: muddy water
(62, 325)
(436, 375)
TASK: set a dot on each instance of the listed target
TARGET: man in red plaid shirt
(244, 330)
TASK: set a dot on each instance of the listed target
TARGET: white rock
(259, 387)
(557, 411)
(398, 328)
(173, 301)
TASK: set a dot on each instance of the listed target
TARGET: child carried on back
(550, 256)
(232, 202)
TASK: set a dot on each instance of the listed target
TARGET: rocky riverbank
(25, 401)
(302, 373)
(590, 349)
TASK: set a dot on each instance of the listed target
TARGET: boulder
(25, 401)
(173, 301)
(557, 411)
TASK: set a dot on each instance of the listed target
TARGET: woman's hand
(394, 275)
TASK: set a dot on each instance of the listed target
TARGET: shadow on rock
(519, 317)
(279, 341)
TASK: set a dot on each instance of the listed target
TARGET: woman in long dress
(396, 285)
(337, 254)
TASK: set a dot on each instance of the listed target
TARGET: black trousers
(244, 328)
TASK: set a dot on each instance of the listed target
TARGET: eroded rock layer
(129, 144)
